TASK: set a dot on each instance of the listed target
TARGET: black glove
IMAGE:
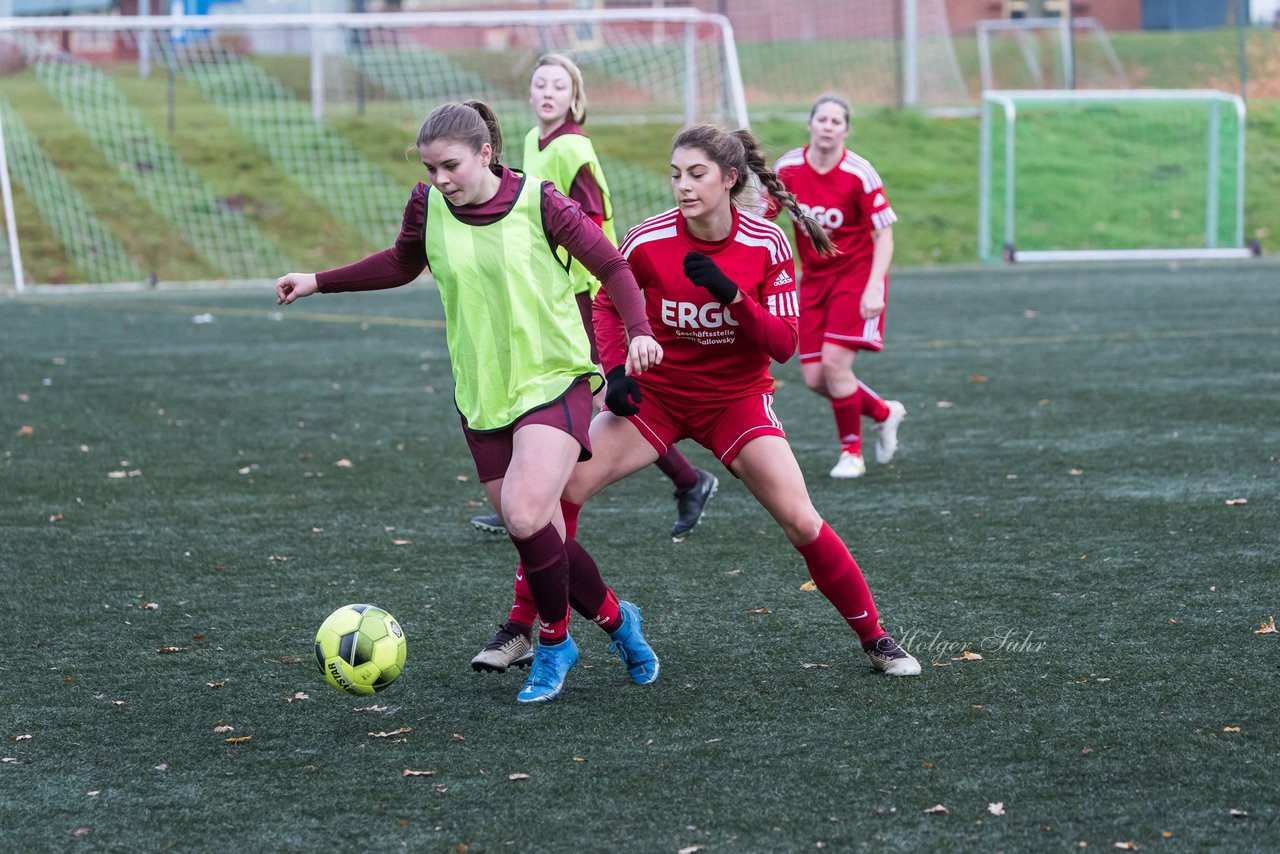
(704, 273)
(620, 391)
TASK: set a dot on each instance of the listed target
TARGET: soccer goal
(298, 89)
(1041, 53)
(1111, 175)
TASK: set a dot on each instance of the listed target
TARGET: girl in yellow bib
(494, 240)
(558, 150)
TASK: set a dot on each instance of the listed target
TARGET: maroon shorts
(722, 428)
(571, 412)
(829, 314)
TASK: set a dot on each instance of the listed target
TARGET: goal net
(306, 93)
(1040, 53)
(1096, 175)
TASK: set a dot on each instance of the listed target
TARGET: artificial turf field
(1086, 496)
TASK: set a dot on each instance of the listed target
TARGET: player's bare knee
(802, 526)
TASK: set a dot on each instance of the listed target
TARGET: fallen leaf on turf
(26, 430)
(199, 638)
(810, 666)
(119, 702)
(370, 709)
(401, 731)
(1166, 834)
(579, 759)
(23, 737)
(945, 404)
(968, 656)
(300, 695)
(1127, 846)
(343, 464)
(1239, 814)
(457, 736)
(1171, 621)
(80, 831)
(169, 650)
(690, 849)
(224, 728)
(1231, 729)
(758, 611)
(1268, 627)
(402, 542)
(1085, 751)
(239, 739)
(809, 585)
(977, 378)
(56, 517)
(277, 559)
(1235, 502)
(409, 772)
(937, 809)
(290, 659)
(151, 606)
(517, 776)
(163, 766)
(441, 789)
(12, 760)
(926, 765)
(462, 478)
(94, 793)
(997, 808)
(1076, 472)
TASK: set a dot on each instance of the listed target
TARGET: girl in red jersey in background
(520, 358)
(842, 298)
(558, 150)
(719, 288)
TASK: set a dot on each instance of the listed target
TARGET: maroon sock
(588, 594)
(848, 412)
(837, 575)
(676, 466)
(872, 403)
(546, 568)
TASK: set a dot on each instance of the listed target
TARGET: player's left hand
(872, 304)
(704, 273)
(642, 354)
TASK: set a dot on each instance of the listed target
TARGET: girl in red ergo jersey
(842, 299)
(719, 289)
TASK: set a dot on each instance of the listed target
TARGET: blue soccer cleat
(632, 648)
(551, 664)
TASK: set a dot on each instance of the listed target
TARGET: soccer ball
(360, 649)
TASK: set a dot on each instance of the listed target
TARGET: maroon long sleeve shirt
(564, 223)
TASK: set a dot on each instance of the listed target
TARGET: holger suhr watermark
(1002, 640)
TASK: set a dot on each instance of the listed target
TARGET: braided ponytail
(776, 189)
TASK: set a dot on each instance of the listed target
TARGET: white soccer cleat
(889, 658)
(849, 465)
(887, 432)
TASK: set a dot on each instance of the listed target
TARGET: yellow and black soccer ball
(360, 649)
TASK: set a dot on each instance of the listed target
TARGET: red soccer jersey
(712, 352)
(848, 201)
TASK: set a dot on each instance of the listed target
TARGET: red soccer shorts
(571, 413)
(829, 314)
(722, 428)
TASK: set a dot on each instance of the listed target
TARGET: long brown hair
(471, 123)
(740, 150)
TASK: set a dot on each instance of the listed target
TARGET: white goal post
(1100, 175)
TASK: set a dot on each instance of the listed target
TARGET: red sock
(609, 617)
(848, 412)
(546, 566)
(523, 609)
(676, 466)
(872, 403)
(836, 573)
(570, 511)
